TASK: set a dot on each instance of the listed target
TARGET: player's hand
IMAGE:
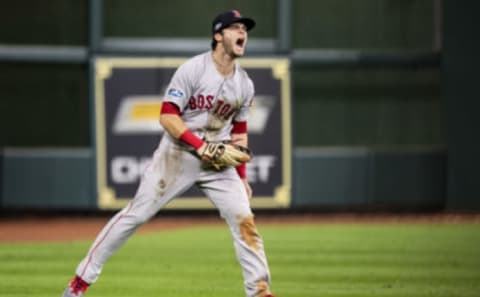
(205, 158)
(247, 187)
(220, 155)
(201, 149)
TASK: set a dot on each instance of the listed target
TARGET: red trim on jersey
(191, 139)
(242, 170)
(170, 108)
(239, 127)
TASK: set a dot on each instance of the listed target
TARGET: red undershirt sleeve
(242, 170)
(239, 127)
(169, 108)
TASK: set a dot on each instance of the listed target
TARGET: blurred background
(384, 94)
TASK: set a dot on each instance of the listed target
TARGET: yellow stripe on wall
(145, 111)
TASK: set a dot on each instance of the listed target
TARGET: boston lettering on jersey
(220, 108)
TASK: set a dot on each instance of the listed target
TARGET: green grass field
(306, 261)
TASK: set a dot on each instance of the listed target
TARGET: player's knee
(137, 220)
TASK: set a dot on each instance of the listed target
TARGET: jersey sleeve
(249, 91)
(180, 87)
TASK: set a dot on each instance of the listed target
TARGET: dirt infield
(63, 228)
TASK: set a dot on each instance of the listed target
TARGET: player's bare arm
(173, 124)
(242, 139)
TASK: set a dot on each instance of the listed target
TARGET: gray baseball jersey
(207, 100)
(208, 104)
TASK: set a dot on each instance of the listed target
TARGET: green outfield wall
(460, 67)
(323, 179)
(378, 131)
(47, 179)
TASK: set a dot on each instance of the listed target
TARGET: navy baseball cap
(225, 19)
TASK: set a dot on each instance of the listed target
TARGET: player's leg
(156, 189)
(113, 235)
(228, 193)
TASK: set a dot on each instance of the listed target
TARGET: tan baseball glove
(220, 155)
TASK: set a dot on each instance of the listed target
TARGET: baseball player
(204, 114)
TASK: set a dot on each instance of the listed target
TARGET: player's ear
(218, 36)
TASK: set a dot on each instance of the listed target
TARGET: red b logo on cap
(236, 13)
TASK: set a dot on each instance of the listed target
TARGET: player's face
(235, 39)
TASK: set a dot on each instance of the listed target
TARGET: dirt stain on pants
(249, 232)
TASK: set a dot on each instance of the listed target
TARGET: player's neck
(224, 63)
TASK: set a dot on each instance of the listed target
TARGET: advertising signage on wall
(128, 97)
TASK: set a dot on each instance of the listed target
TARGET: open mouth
(240, 42)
